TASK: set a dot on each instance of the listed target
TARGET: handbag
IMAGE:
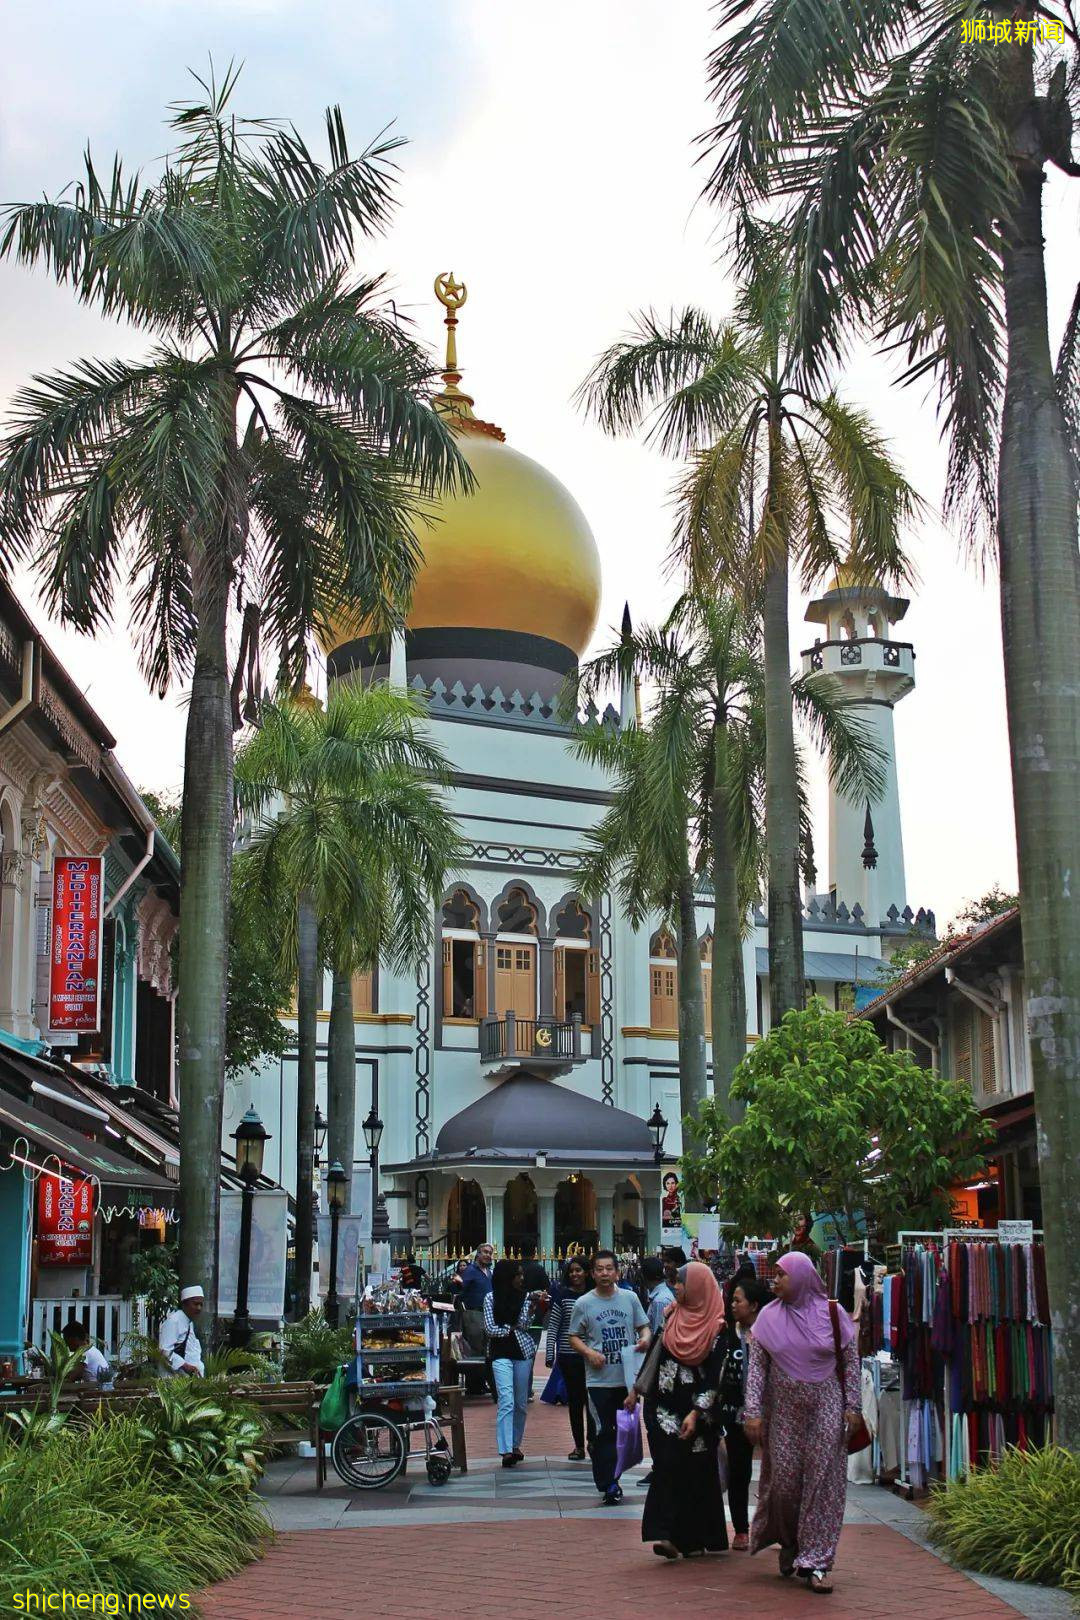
(645, 1382)
(860, 1437)
(629, 1449)
(554, 1391)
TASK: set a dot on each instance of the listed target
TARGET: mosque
(516, 1071)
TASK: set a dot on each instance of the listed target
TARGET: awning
(835, 967)
(80, 1152)
(142, 1136)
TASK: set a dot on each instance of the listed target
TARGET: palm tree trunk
(693, 1075)
(206, 838)
(341, 1076)
(1040, 615)
(786, 977)
(307, 1008)
(728, 984)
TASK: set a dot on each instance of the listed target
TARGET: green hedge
(158, 1500)
(1020, 1520)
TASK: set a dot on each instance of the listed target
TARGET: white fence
(109, 1319)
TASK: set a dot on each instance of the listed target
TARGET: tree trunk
(1040, 615)
(307, 1008)
(786, 978)
(341, 1077)
(693, 1079)
(728, 984)
(206, 838)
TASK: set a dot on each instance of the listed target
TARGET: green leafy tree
(349, 828)
(259, 985)
(689, 799)
(835, 1122)
(774, 468)
(908, 148)
(270, 449)
(994, 903)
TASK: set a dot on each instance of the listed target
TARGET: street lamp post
(319, 1135)
(380, 1220)
(337, 1187)
(251, 1138)
(658, 1126)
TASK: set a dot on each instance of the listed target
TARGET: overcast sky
(550, 165)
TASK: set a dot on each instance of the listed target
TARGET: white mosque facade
(516, 1068)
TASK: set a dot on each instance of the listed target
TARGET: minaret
(628, 707)
(871, 672)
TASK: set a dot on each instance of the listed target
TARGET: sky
(551, 164)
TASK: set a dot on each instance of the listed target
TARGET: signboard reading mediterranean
(75, 943)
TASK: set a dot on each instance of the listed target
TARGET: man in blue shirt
(660, 1295)
(475, 1286)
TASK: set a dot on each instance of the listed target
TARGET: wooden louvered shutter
(504, 980)
(361, 992)
(961, 1042)
(559, 990)
(592, 989)
(987, 1059)
(448, 978)
(706, 992)
(480, 979)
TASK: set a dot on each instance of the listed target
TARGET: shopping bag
(554, 1391)
(334, 1406)
(628, 1446)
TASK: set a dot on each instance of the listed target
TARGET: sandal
(740, 1542)
(577, 1455)
(819, 1580)
(665, 1549)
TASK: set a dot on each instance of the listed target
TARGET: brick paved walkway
(579, 1570)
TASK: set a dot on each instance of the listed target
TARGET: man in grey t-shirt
(605, 1322)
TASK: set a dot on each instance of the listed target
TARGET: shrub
(1020, 1520)
(129, 1504)
(314, 1349)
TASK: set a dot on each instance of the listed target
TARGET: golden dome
(515, 554)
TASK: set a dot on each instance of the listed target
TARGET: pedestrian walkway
(521, 1543)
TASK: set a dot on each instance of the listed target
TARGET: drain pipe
(31, 685)
(136, 871)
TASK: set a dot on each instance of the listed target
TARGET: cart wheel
(438, 1468)
(368, 1451)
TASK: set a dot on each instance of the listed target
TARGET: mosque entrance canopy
(528, 1115)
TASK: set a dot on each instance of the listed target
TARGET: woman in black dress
(684, 1510)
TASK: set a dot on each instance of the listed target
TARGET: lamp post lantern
(319, 1134)
(251, 1137)
(658, 1126)
(380, 1220)
(337, 1191)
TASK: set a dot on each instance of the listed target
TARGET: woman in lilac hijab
(798, 1412)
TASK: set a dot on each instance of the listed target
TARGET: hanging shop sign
(65, 1221)
(75, 943)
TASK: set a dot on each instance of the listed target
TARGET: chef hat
(194, 1292)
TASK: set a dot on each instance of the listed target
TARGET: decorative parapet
(485, 707)
(828, 913)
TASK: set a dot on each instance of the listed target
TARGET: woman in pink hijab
(799, 1413)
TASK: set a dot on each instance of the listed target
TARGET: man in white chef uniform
(178, 1341)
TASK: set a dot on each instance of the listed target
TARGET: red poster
(65, 1221)
(75, 943)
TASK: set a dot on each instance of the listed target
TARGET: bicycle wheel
(368, 1451)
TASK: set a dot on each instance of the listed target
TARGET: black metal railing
(550, 1040)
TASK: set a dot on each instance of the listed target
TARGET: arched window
(515, 955)
(464, 963)
(873, 626)
(663, 982)
(576, 965)
(847, 625)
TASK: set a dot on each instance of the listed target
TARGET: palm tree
(911, 145)
(348, 820)
(701, 773)
(269, 450)
(774, 466)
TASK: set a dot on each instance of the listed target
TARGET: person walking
(507, 1314)
(604, 1322)
(802, 1401)
(558, 1352)
(178, 1340)
(684, 1510)
(475, 1286)
(747, 1297)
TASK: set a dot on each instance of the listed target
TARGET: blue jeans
(512, 1389)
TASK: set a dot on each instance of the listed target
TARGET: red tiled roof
(949, 951)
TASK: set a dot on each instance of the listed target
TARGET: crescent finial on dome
(452, 295)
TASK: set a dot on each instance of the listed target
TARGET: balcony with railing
(552, 1045)
(891, 664)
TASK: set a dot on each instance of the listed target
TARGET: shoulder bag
(860, 1437)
